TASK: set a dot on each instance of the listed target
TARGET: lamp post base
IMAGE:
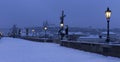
(107, 40)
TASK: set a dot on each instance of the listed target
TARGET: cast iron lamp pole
(33, 32)
(45, 28)
(108, 15)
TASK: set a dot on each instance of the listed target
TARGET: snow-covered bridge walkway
(18, 50)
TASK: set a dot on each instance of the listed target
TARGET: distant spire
(45, 23)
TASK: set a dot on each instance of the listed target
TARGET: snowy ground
(18, 50)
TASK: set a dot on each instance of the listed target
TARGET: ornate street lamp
(108, 15)
(33, 31)
(61, 24)
(27, 31)
(45, 28)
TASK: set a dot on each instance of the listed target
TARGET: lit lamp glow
(61, 24)
(45, 28)
(108, 13)
(33, 30)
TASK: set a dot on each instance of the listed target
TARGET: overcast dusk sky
(79, 13)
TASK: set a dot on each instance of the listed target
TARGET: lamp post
(33, 32)
(45, 28)
(108, 15)
(27, 30)
(61, 24)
